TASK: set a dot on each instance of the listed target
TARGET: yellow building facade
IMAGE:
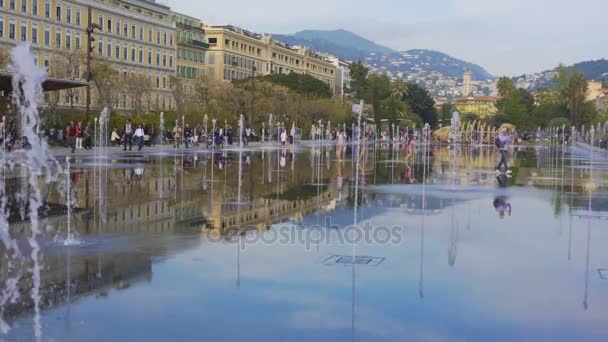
(235, 53)
(483, 106)
(191, 49)
(136, 37)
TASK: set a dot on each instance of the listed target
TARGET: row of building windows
(191, 55)
(71, 16)
(285, 59)
(234, 45)
(240, 62)
(134, 31)
(70, 41)
(188, 72)
(231, 74)
(133, 54)
(188, 37)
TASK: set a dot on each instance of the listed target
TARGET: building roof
(477, 98)
(51, 84)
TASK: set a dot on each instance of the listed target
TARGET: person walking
(177, 136)
(115, 137)
(139, 136)
(245, 137)
(70, 133)
(128, 135)
(60, 137)
(88, 141)
(79, 136)
(502, 142)
(283, 137)
(187, 135)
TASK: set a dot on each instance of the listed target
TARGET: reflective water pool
(313, 244)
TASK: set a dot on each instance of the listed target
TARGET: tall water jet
(456, 127)
(104, 124)
(162, 127)
(12, 254)
(27, 91)
(241, 131)
(270, 127)
(69, 238)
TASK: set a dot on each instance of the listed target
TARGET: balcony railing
(193, 42)
(190, 27)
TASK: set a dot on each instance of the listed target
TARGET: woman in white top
(283, 137)
(115, 137)
(139, 135)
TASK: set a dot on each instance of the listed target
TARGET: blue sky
(505, 36)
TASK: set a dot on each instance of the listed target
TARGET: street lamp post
(90, 39)
(253, 69)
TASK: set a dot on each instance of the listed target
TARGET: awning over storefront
(51, 84)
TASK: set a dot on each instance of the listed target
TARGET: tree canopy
(303, 84)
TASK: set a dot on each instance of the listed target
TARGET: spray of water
(27, 92)
(162, 127)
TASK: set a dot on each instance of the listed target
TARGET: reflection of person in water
(502, 206)
(501, 203)
(283, 160)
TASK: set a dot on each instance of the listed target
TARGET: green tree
(514, 109)
(543, 113)
(470, 117)
(107, 83)
(303, 84)
(505, 86)
(527, 99)
(422, 104)
(359, 75)
(400, 89)
(576, 94)
(378, 89)
(546, 96)
(446, 113)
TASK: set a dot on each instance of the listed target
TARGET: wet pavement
(309, 243)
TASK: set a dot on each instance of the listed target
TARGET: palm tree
(400, 89)
(505, 86)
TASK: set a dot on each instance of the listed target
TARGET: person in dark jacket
(88, 138)
(70, 133)
(128, 136)
(187, 135)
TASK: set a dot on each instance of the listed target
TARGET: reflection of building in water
(88, 275)
(180, 199)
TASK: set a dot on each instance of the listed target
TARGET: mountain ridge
(351, 46)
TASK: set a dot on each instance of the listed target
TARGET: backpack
(498, 143)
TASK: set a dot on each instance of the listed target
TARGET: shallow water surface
(259, 245)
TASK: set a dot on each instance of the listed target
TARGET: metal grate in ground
(348, 260)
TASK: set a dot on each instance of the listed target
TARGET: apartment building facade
(191, 49)
(235, 53)
(136, 37)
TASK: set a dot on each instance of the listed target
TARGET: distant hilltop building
(467, 87)
(594, 90)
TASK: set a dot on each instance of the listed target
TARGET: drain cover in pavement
(348, 260)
